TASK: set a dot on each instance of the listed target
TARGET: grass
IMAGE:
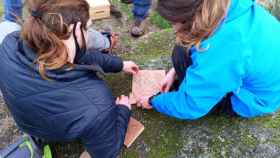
(158, 21)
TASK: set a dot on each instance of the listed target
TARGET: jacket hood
(238, 8)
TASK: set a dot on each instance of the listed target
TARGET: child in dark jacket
(50, 83)
(231, 59)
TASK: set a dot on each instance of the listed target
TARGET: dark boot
(115, 11)
(137, 28)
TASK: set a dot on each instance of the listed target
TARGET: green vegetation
(126, 9)
(1, 9)
(157, 45)
(276, 8)
(158, 21)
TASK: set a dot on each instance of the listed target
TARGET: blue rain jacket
(242, 57)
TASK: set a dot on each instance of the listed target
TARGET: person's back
(246, 46)
(56, 95)
(234, 48)
(259, 93)
(79, 93)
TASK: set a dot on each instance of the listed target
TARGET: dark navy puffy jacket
(74, 104)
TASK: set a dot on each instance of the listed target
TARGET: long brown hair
(199, 18)
(46, 27)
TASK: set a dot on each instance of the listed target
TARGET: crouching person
(229, 60)
(50, 83)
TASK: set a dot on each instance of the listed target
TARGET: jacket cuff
(152, 97)
(124, 110)
(118, 62)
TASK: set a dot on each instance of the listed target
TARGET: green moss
(267, 121)
(276, 138)
(276, 8)
(157, 44)
(1, 9)
(125, 40)
(158, 21)
(160, 138)
(249, 140)
(119, 83)
(126, 9)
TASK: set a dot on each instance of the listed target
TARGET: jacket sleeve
(97, 41)
(207, 81)
(106, 139)
(109, 63)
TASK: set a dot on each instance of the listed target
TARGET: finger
(136, 68)
(163, 88)
(117, 100)
(138, 104)
(133, 72)
(168, 87)
(126, 99)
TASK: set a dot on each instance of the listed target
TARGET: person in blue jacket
(229, 60)
(50, 81)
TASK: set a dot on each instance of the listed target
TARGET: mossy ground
(1, 8)
(212, 136)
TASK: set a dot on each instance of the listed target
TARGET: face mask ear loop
(79, 53)
(83, 49)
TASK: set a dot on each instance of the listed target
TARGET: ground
(214, 136)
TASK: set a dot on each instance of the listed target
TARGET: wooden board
(99, 9)
(135, 128)
(146, 83)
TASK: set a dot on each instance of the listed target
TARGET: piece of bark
(146, 83)
(135, 128)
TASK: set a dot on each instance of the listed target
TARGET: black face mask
(79, 51)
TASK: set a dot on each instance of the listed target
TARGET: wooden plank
(134, 130)
(99, 9)
(146, 83)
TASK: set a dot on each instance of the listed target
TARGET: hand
(144, 103)
(123, 100)
(168, 81)
(114, 40)
(130, 67)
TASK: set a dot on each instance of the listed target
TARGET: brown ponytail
(46, 27)
(199, 18)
